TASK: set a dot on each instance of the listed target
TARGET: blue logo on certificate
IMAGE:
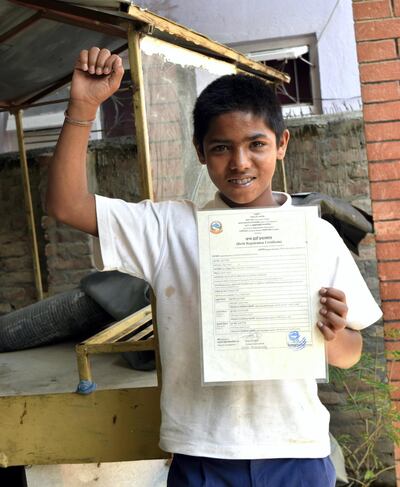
(216, 227)
(295, 340)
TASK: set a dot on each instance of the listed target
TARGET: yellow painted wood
(156, 340)
(28, 204)
(139, 108)
(105, 426)
(120, 326)
(130, 328)
(144, 333)
(128, 346)
(219, 50)
(84, 370)
(107, 340)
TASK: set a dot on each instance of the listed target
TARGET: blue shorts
(189, 471)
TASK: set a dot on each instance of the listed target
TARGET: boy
(274, 433)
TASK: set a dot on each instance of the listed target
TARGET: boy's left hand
(333, 312)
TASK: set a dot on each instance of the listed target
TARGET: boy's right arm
(96, 77)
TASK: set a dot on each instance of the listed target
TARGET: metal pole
(143, 150)
(28, 204)
(139, 108)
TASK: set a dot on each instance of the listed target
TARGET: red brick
(392, 345)
(375, 132)
(397, 464)
(393, 371)
(383, 151)
(392, 330)
(382, 71)
(397, 8)
(383, 190)
(376, 50)
(382, 112)
(389, 271)
(371, 10)
(391, 309)
(386, 210)
(387, 230)
(383, 171)
(380, 29)
(395, 390)
(381, 92)
(390, 290)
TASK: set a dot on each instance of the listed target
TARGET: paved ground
(149, 473)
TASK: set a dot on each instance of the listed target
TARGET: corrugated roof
(40, 40)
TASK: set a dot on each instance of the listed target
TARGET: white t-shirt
(271, 419)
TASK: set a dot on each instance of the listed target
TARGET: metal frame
(139, 108)
(28, 205)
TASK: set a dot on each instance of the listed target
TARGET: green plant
(368, 396)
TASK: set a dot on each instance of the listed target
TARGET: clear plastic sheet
(173, 78)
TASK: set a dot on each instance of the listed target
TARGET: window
(298, 58)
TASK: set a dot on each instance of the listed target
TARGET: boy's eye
(257, 144)
(219, 148)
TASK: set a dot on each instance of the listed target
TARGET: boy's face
(240, 152)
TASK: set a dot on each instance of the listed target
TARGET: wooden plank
(156, 339)
(119, 334)
(128, 346)
(176, 30)
(28, 205)
(139, 108)
(105, 426)
(77, 13)
(143, 334)
(132, 328)
(109, 332)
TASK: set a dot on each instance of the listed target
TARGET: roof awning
(40, 41)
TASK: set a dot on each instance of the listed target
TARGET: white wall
(239, 21)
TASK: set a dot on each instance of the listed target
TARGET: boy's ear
(283, 143)
(199, 150)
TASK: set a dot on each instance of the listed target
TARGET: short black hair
(237, 93)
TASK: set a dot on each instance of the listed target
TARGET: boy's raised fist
(97, 76)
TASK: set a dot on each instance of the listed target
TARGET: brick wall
(112, 171)
(377, 29)
(17, 287)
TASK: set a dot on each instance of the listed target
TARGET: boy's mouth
(241, 181)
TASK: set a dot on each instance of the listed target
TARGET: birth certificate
(259, 301)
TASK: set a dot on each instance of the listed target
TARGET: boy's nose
(239, 160)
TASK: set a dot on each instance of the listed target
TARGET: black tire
(67, 315)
